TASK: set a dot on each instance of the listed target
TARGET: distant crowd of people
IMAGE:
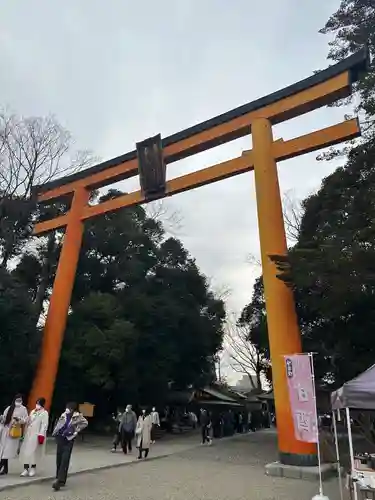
(128, 427)
(220, 424)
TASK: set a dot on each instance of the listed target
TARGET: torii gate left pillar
(59, 304)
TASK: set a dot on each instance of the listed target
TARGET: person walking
(143, 433)
(117, 436)
(155, 419)
(248, 428)
(69, 425)
(11, 429)
(34, 442)
(205, 422)
(128, 425)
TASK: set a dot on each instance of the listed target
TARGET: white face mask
(38, 406)
(18, 403)
(143, 411)
(68, 410)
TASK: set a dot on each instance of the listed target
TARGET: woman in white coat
(34, 442)
(12, 422)
(143, 433)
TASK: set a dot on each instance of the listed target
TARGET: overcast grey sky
(117, 72)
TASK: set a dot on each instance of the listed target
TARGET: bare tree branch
(172, 220)
(222, 292)
(253, 260)
(292, 211)
(244, 357)
(34, 151)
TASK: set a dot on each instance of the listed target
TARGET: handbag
(15, 432)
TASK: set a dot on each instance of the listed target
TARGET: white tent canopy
(357, 393)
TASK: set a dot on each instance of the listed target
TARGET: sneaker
(25, 473)
(32, 472)
(113, 450)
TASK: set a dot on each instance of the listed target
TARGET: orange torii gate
(150, 159)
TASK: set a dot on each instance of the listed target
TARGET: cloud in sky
(118, 72)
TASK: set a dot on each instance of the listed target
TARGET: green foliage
(333, 270)
(16, 218)
(19, 338)
(334, 266)
(352, 27)
(142, 314)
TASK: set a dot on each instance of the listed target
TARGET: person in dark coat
(69, 425)
(205, 421)
(116, 419)
(128, 425)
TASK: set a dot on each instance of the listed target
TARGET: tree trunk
(258, 373)
(5, 260)
(44, 276)
(251, 380)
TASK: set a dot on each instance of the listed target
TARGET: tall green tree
(19, 338)
(143, 316)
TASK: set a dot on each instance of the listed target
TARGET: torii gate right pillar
(283, 330)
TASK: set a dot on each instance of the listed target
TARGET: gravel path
(228, 470)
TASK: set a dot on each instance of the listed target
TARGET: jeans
(63, 454)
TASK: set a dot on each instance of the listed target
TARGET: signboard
(87, 409)
(302, 397)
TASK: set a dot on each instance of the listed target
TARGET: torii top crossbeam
(306, 95)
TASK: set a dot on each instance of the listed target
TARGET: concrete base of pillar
(277, 469)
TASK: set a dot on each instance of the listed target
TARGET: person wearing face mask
(155, 419)
(127, 428)
(143, 433)
(69, 425)
(12, 422)
(34, 442)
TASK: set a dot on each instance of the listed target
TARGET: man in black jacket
(127, 428)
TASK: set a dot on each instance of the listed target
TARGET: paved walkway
(94, 454)
(231, 469)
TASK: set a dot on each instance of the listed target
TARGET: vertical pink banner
(302, 397)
